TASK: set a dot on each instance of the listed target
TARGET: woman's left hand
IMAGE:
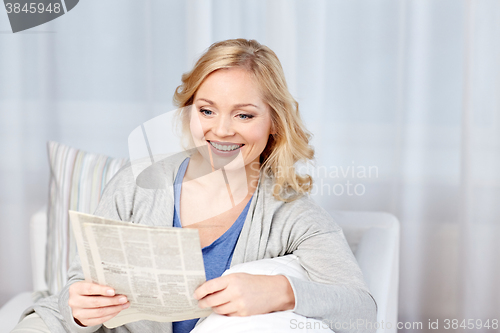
(242, 294)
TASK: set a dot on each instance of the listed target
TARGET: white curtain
(406, 91)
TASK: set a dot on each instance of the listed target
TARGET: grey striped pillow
(77, 179)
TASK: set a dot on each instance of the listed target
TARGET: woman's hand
(93, 304)
(242, 294)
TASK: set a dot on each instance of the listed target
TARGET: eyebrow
(236, 105)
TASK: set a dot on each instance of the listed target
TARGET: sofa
(77, 179)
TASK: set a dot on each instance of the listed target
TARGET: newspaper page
(87, 263)
(157, 268)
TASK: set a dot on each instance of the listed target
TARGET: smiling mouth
(225, 146)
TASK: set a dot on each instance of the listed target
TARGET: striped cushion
(77, 180)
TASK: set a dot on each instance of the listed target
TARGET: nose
(223, 127)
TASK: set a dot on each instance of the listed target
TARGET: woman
(244, 124)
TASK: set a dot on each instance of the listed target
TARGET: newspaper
(157, 268)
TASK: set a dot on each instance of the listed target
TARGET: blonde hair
(290, 144)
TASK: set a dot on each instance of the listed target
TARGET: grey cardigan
(336, 292)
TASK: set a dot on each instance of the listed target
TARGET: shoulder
(145, 174)
(135, 183)
(306, 212)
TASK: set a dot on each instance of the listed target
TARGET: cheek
(196, 127)
(258, 136)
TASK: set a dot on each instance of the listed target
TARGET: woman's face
(230, 116)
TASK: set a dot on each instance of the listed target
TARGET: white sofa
(373, 237)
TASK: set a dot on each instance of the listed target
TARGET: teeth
(224, 147)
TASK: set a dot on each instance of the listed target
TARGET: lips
(225, 146)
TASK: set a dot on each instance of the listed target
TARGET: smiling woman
(247, 81)
(239, 188)
(228, 125)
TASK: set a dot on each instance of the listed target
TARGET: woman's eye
(245, 116)
(206, 112)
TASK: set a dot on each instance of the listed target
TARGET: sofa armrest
(374, 240)
(378, 258)
(11, 312)
(38, 239)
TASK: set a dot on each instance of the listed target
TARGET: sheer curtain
(402, 98)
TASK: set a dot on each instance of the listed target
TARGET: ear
(273, 129)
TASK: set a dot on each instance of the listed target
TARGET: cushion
(274, 322)
(77, 180)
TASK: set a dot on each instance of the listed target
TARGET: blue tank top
(216, 256)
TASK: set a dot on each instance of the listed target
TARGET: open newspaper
(157, 268)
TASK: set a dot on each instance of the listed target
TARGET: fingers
(89, 288)
(93, 304)
(212, 286)
(226, 309)
(214, 300)
(97, 321)
(241, 294)
(87, 295)
(91, 317)
(222, 304)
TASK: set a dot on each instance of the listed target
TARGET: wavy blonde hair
(290, 144)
